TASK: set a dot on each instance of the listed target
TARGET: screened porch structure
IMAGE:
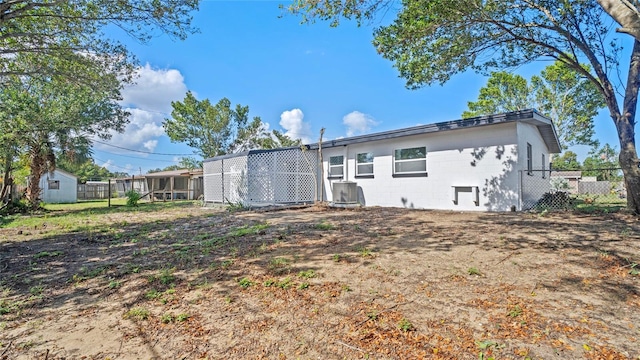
(262, 177)
(174, 185)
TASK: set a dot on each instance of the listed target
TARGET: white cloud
(358, 123)
(151, 144)
(149, 102)
(291, 121)
(154, 89)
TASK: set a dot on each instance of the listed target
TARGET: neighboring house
(571, 177)
(488, 163)
(181, 184)
(59, 186)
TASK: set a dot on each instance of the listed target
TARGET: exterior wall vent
(345, 192)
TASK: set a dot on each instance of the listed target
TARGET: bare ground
(319, 283)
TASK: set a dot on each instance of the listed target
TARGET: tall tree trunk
(625, 125)
(7, 180)
(42, 160)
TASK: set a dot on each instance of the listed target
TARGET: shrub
(132, 198)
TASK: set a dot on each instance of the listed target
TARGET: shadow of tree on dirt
(217, 249)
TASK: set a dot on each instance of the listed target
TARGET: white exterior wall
(535, 184)
(482, 158)
(67, 192)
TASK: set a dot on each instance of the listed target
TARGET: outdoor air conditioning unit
(345, 192)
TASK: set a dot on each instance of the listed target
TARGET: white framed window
(336, 166)
(54, 184)
(529, 160)
(410, 161)
(364, 164)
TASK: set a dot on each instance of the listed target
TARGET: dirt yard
(319, 283)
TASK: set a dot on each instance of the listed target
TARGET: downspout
(345, 153)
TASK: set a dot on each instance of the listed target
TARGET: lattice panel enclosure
(262, 177)
(213, 181)
(283, 176)
(235, 179)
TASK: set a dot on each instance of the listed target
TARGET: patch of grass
(47, 254)
(114, 284)
(249, 230)
(225, 264)
(372, 315)
(405, 325)
(153, 294)
(137, 313)
(323, 225)
(167, 318)
(245, 283)
(284, 283)
(365, 251)
(634, 269)
(336, 257)
(473, 271)
(279, 265)
(304, 285)
(515, 311)
(36, 290)
(165, 277)
(269, 282)
(182, 317)
(307, 274)
(87, 273)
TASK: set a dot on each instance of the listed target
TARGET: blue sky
(297, 78)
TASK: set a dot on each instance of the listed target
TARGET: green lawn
(72, 217)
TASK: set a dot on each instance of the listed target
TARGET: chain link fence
(572, 189)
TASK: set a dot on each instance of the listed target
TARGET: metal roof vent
(345, 192)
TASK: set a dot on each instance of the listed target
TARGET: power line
(110, 164)
(139, 158)
(139, 151)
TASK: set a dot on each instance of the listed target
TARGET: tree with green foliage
(602, 164)
(432, 40)
(209, 129)
(560, 93)
(86, 171)
(504, 92)
(59, 43)
(41, 115)
(567, 161)
(55, 28)
(219, 129)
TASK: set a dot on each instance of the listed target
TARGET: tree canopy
(559, 93)
(56, 28)
(219, 129)
(38, 116)
(432, 40)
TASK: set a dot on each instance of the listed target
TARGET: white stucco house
(489, 163)
(59, 186)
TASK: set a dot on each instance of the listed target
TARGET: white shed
(489, 163)
(59, 187)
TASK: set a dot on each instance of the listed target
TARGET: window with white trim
(364, 164)
(410, 161)
(529, 160)
(54, 184)
(336, 166)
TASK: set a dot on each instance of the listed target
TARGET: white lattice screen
(235, 179)
(285, 176)
(262, 177)
(213, 181)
